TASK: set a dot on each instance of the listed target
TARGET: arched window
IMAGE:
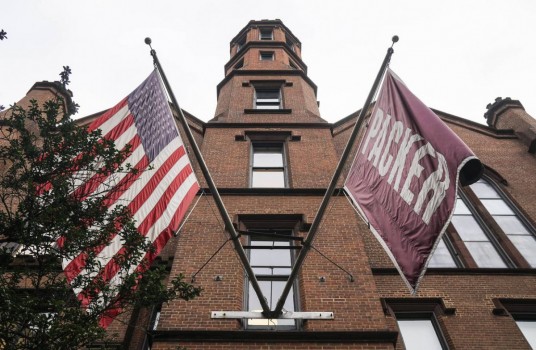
(508, 219)
(484, 218)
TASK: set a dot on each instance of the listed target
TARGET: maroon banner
(404, 177)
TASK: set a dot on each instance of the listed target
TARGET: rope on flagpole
(176, 233)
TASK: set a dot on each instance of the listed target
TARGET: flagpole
(212, 186)
(306, 245)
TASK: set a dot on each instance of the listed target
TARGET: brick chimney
(44, 91)
(510, 114)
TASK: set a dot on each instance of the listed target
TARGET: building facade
(272, 156)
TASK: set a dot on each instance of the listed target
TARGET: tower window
(266, 55)
(268, 98)
(240, 64)
(240, 44)
(290, 44)
(266, 34)
(268, 165)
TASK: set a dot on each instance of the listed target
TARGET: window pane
(442, 257)
(266, 34)
(497, 207)
(468, 228)
(526, 246)
(269, 158)
(267, 56)
(419, 334)
(485, 254)
(267, 94)
(484, 190)
(271, 291)
(268, 106)
(511, 225)
(461, 208)
(528, 328)
(269, 179)
(270, 257)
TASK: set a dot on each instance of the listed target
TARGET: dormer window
(266, 34)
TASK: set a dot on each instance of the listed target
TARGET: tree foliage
(47, 215)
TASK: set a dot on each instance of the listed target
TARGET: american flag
(162, 190)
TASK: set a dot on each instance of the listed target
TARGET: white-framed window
(268, 98)
(268, 168)
(266, 34)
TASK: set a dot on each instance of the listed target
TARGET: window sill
(267, 111)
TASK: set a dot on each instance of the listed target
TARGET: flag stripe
(157, 221)
(184, 195)
(112, 116)
(158, 196)
(144, 181)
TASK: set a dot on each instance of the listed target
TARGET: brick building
(272, 157)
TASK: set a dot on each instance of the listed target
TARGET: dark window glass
(266, 34)
(266, 56)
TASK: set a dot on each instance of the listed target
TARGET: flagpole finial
(394, 40)
(148, 41)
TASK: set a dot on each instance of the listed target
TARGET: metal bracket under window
(327, 315)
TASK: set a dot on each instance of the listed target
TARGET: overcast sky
(456, 56)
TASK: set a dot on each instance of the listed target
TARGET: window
(505, 216)
(418, 321)
(268, 165)
(420, 332)
(240, 44)
(240, 64)
(476, 240)
(266, 55)
(528, 328)
(442, 256)
(290, 44)
(481, 226)
(268, 98)
(523, 312)
(271, 259)
(266, 34)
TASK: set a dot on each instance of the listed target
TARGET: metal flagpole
(321, 210)
(219, 203)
